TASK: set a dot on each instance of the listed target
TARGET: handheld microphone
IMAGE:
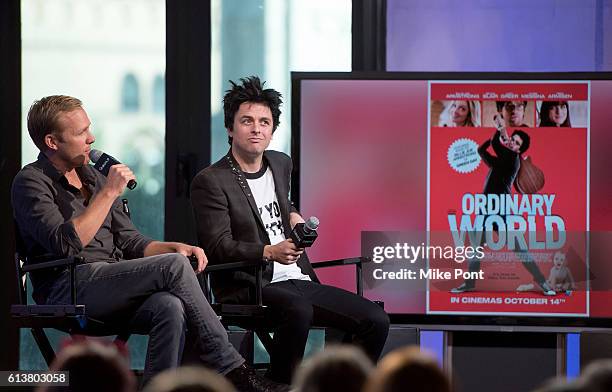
(103, 162)
(305, 234)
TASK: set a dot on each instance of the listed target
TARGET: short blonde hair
(43, 116)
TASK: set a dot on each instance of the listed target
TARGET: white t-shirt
(264, 192)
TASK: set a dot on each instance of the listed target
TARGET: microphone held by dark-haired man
(243, 213)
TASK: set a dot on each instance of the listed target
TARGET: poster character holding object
(503, 169)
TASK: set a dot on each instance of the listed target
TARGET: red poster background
(561, 153)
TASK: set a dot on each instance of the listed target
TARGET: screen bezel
(576, 323)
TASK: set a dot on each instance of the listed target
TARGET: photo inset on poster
(456, 113)
(513, 114)
(517, 186)
(566, 114)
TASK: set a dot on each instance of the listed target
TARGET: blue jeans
(159, 296)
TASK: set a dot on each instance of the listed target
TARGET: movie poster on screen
(508, 171)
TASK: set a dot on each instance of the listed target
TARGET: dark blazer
(229, 225)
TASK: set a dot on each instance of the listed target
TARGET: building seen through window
(130, 97)
(110, 55)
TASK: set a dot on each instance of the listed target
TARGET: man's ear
(51, 141)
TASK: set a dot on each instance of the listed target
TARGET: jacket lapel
(280, 187)
(244, 186)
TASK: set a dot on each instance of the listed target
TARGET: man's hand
(284, 252)
(159, 247)
(188, 250)
(118, 177)
(501, 127)
(499, 121)
(295, 218)
(89, 222)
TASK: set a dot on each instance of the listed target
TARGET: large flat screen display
(478, 197)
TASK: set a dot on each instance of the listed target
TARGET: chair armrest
(256, 264)
(335, 263)
(72, 260)
(356, 261)
(234, 265)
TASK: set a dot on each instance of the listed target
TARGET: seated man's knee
(178, 264)
(381, 320)
(170, 261)
(169, 309)
(377, 319)
(299, 313)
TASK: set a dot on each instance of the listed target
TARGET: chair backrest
(19, 262)
(22, 288)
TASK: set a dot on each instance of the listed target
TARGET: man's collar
(235, 166)
(48, 168)
(85, 172)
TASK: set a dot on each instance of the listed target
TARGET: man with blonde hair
(63, 207)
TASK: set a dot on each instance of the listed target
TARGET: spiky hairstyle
(250, 90)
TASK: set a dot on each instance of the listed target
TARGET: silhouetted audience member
(408, 369)
(93, 366)
(561, 385)
(340, 368)
(597, 376)
(189, 379)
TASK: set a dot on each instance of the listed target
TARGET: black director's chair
(256, 316)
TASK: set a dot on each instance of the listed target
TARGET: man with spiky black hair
(243, 213)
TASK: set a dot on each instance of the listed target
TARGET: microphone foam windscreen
(94, 155)
(312, 223)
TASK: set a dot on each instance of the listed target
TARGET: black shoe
(463, 288)
(246, 379)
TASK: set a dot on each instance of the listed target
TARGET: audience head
(250, 90)
(408, 369)
(189, 379)
(597, 376)
(340, 368)
(561, 385)
(93, 366)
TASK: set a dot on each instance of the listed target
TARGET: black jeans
(299, 304)
(159, 296)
